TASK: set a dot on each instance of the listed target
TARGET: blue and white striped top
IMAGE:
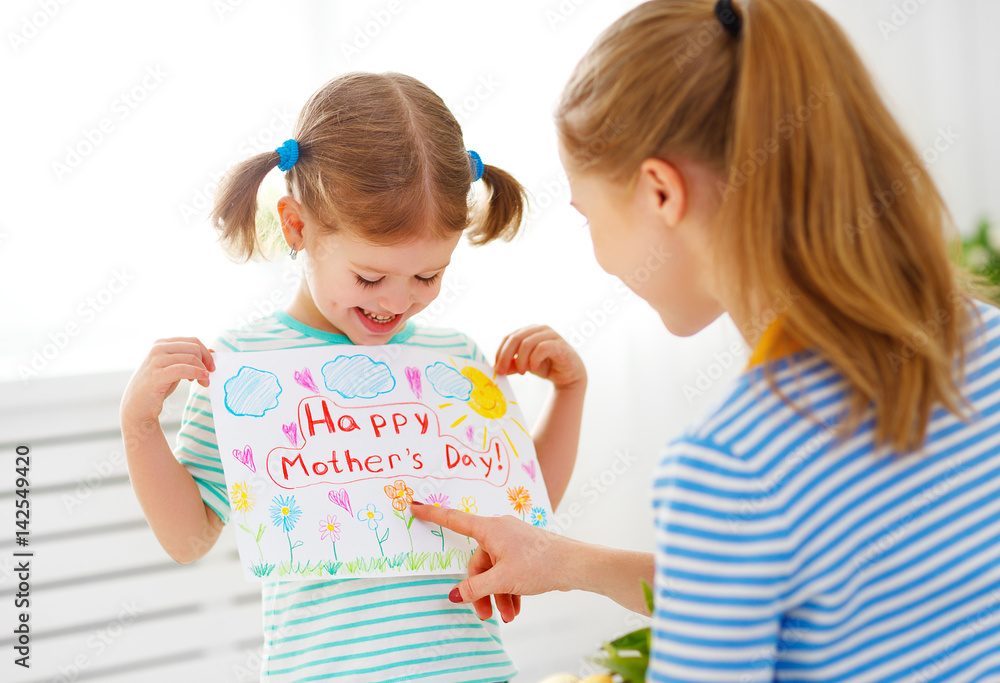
(385, 629)
(784, 555)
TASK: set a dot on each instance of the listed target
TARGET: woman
(834, 515)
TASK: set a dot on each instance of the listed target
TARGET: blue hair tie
(477, 164)
(289, 153)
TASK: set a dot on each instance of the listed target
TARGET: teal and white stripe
(783, 555)
(386, 629)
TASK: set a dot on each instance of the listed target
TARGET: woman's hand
(538, 349)
(513, 559)
(169, 361)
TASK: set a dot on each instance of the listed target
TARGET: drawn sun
(487, 400)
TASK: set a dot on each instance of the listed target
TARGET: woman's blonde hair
(823, 197)
(381, 155)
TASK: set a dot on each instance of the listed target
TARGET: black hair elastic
(730, 19)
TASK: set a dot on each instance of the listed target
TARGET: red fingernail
(416, 502)
(455, 595)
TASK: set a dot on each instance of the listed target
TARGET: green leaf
(648, 592)
(245, 529)
(410, 521)
(637, 641)
(260, 531)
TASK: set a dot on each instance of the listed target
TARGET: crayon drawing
(324, 472)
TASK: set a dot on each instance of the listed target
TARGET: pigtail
(234, 213)
(505, 209)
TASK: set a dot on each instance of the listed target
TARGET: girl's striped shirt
(386, 629)
(782, 554)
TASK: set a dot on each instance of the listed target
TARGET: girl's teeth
(378, 318)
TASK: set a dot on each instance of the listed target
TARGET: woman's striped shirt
(783, 554)
(385, 629)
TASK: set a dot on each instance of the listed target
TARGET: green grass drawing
(409, 562)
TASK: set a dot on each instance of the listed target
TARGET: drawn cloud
(358, 377)
(448, 381)
(252, 392)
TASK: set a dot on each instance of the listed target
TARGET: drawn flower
(370, 515)
(243, 497)
(439, 499)
(329, 528)
(285, 513)
(519, 498)
(538, 516)
(400, 494)
(469, 505)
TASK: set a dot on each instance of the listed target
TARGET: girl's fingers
(514, 346)
(528, 346)
(174, 373)
(191, 345)
(516, 601)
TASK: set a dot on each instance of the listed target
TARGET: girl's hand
(169, 361)
(513, 559)
(538, 349)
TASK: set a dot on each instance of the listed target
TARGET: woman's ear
(662, 190)
(290, 214)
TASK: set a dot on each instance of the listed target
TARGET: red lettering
(335, 464)
(347, 423)
(351, 462)
(378, 461)
(423, 423)
(376, 427)
(285, 462)
(317, 465)
(326, 418)
(448, 450)
(394, 455)
(395, 421)
(416, 459)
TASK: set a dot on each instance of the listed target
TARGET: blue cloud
(358, 377)
(448, 381)
(252, 392)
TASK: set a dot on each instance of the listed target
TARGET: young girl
(834, 516)
(378, 182)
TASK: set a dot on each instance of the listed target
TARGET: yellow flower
(243, 497)
(469, 505)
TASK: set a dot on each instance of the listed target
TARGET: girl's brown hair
(379, 154)
(822, 197)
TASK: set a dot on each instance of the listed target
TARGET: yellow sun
(486, 397)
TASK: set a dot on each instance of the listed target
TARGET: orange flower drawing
(400, 494)
(519, 498)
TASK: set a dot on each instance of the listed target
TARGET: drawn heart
(305, 378)
(342, 499)
(291, 430)
(530, 469)
(413, 377)
(246, 457)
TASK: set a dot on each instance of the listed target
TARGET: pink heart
(469, 433)
(291, 430)
(413, 377)
(246, 457)
(530, 469)
(305, 378)
(342, 499)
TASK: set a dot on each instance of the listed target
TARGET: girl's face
(654, 238)
(363, 290)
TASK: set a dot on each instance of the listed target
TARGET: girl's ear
(290, 214)
(662, 189)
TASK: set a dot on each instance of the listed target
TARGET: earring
(293, 253)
